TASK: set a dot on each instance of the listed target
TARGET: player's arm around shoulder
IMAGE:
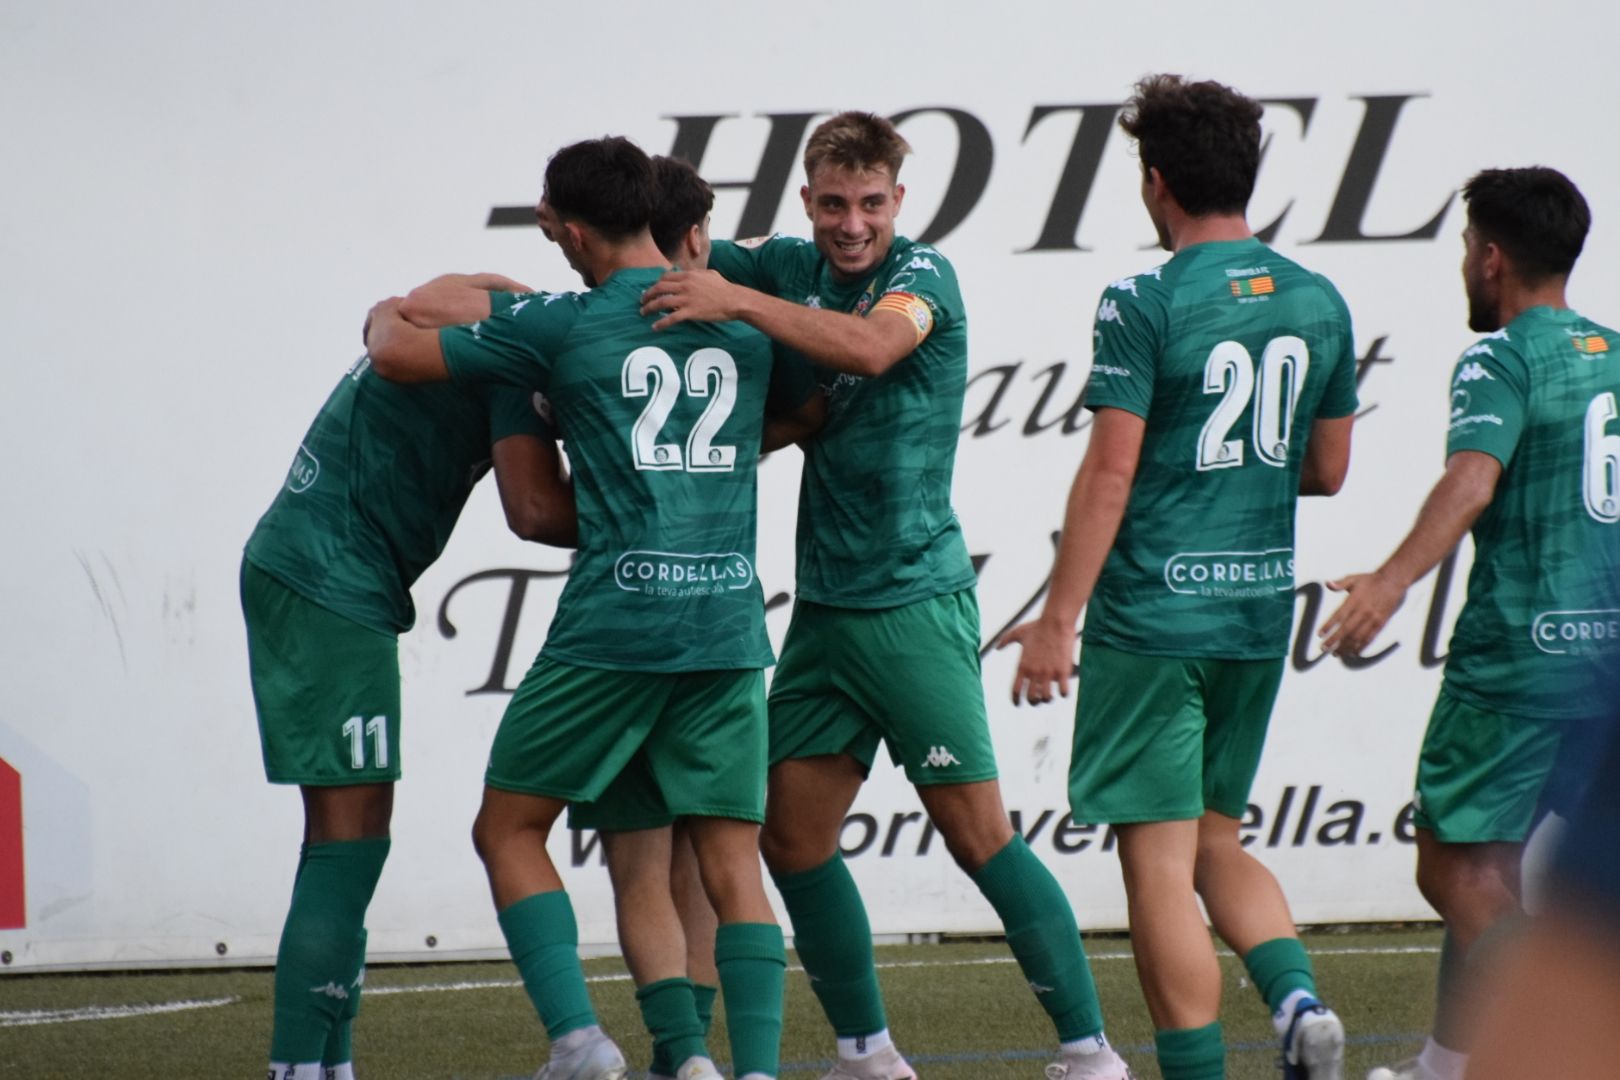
(453, 299)
(859, 345)
(400, 350)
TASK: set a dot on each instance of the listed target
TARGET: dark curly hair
(608, 184)
(1203, 137)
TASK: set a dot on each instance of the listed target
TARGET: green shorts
(908, 676)
(1165, 738)
(326, 689)
(1481, 773)
(568, 732)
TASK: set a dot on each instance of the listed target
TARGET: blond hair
(857, 141)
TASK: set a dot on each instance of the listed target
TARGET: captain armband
(914, 308)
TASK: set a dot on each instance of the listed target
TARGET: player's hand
(689, 294)
(381, 310)
(1048, 658)
(1370, 600)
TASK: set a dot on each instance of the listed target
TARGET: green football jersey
(876, 528)
(663, 433)
(1542, 618)
(376, 487)
(1229, 351)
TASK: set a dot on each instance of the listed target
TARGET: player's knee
(790, 851)
(487, 835)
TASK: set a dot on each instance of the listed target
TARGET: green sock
(753, 965)
(669, 1009)
(1279, 967)
(340, 1041)
(1044, 938)
(1191, 1053)
(321, 946)
(834, 941)
(704, 996)
(543, 938)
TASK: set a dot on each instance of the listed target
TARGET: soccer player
(373, 493)
(1533, 469)
(1223, 387)
(658, 643)
(666, 925)
(884, 641)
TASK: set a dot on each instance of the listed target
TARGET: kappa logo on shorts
(939, 757)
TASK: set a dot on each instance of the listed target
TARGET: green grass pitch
(958, 1010)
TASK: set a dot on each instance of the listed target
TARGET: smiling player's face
(852, 216)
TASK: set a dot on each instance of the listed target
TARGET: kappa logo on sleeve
(1472, 373)
(1126, 284)
(1108, 311)
(1481, 349)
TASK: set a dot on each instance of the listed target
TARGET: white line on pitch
(505, 984)
(106, 1012)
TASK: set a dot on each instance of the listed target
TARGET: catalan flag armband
(914, 308)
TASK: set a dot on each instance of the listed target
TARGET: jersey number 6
(1229, 371)
(649, 372)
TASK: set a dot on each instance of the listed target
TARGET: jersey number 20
(1274, 389)
(650, 372)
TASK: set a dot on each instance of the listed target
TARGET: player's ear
(899, 196)
(804, 193)
(1493, 261)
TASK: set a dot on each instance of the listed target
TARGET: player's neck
(639, 253)
(1518, 299)
(1187, 231)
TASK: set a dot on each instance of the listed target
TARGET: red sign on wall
(13, 897)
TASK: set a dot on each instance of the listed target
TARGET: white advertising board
(202, 200)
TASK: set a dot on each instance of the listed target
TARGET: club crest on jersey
(865, 302)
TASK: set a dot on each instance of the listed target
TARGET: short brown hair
(857, 141)
(1203, 137)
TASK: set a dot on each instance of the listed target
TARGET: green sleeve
(1341, 399)
(500, 300)
(512, 347)
(1490, 388)
(1125, 348)
(930, 277)
(515, 412)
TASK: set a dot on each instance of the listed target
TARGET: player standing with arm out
(1533, 469)
(884, 640)
(658, 645)
(1223, 384)
(373, 494)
